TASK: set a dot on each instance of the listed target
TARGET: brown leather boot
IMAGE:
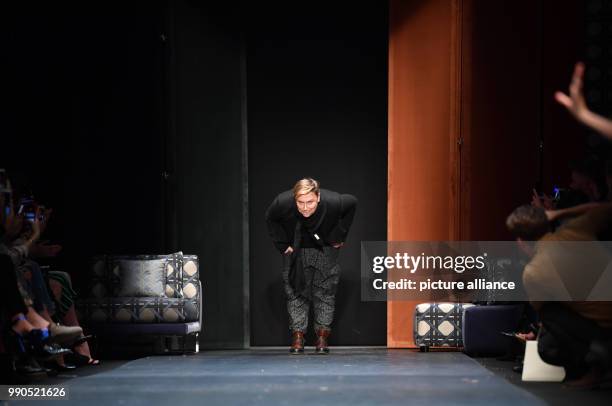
(321, 347)
(297, 343)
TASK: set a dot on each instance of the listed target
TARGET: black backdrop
(317, 97)
(83, 125)
(131, 121)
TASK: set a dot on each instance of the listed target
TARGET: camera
(558, 193)
(27, 208)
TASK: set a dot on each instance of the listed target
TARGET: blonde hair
(305, 186)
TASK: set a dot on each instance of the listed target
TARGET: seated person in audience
(60, 284)
(20, 246)
(574, 334)
(19, 252)
(25, 333)
(22, 339)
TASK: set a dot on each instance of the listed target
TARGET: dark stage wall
(317, 95)
(207, 131)
(129, 122)
(83, 126)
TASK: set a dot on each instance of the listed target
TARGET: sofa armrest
(201, 307)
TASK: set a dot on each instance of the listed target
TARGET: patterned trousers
(321, 272)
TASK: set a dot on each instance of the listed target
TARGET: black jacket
(333, 227)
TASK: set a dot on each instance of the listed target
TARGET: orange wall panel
(421, 173)
(470, 100)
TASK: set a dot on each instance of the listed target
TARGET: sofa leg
(423, 348)
(190, 344)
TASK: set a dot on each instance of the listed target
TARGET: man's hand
(337, 245)
(289, 250)
(574, 102)
(544, 201)
(526, 336)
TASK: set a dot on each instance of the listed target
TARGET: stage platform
(270, 376)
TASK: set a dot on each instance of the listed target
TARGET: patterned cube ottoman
(439, 325)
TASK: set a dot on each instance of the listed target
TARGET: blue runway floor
(273, 377)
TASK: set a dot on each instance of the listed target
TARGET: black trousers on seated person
(11, 302)
(569, 340)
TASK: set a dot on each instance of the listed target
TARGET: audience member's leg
(567, 339)
(70, 318)
(36, 319)
(65, 296)
(11, 299)
(42, 301)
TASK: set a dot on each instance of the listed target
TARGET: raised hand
(575, 102)
(543, 201)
